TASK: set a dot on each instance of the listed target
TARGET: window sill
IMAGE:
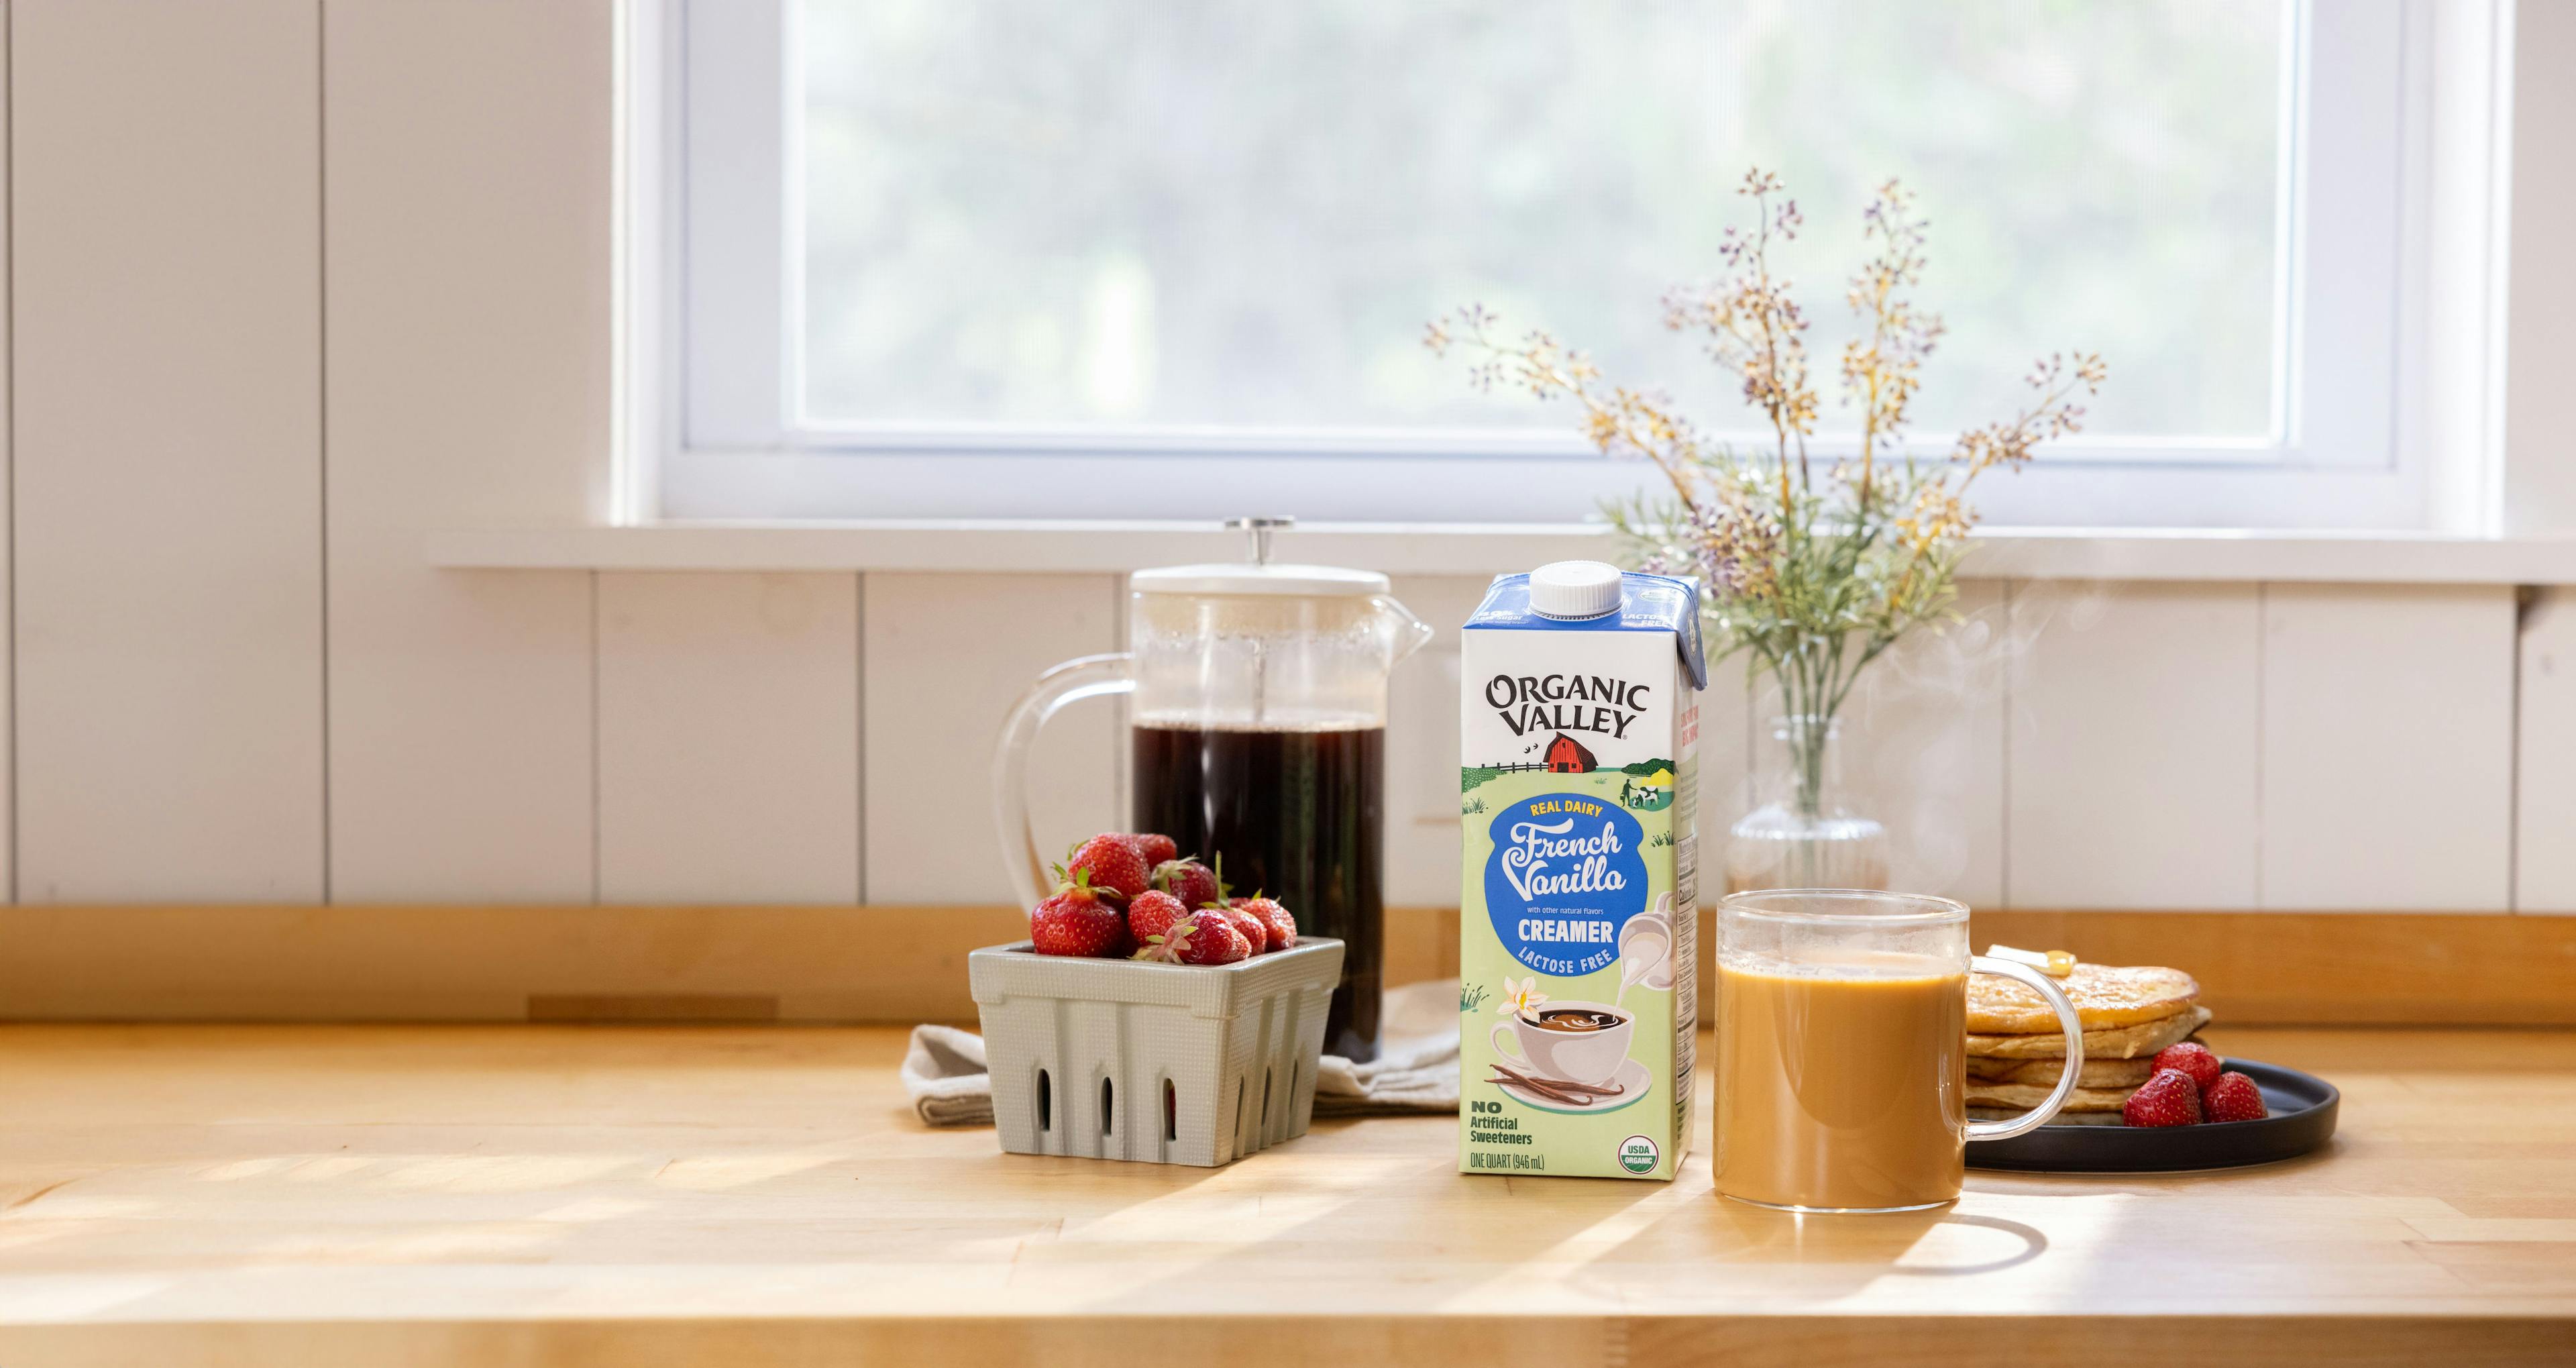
(1071, 547)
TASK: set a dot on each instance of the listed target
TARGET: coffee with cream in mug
(1842, 1049)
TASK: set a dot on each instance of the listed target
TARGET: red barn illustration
(1565, 755)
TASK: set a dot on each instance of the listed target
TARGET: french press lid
(1259, 576)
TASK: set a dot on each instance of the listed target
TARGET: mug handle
(1098, 676)
(1506, 1045)
(2067, 1021)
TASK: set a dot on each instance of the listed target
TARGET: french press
(1257, 724)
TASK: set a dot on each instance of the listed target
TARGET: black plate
(2303, 1118)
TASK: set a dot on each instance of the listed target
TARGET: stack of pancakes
(2015, 1052)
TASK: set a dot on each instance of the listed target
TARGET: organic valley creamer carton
(1578, 932)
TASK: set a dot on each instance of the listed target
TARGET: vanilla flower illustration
(1520, 997)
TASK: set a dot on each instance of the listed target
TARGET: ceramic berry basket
(1155, 1063)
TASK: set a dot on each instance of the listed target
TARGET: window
(1019, 258)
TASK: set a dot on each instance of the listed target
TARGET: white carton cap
(1574, 589)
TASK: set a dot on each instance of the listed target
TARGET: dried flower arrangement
(1814, 578)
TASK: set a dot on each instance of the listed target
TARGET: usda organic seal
(1638, 1154)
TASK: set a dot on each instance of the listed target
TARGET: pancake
(2097, 1073)
(2024, 1096)
(2105, 995)
(2064, 1118)
(2119, 1042)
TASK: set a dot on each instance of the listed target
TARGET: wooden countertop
(643, 1196)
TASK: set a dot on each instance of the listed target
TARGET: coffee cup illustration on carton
(1579, 735)
(1579, 1042)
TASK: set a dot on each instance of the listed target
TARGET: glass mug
(1842, 1049)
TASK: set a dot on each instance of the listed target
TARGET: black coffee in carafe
(1296, 814)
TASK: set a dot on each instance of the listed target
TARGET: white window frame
(712, 285)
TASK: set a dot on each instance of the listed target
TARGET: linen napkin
(1416, 1069)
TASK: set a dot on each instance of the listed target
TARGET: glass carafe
(1257, 721)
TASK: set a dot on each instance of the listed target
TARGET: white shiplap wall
(2545, 751)
(167, 386)
(2133, 746)
(8, 524)
(728, 738)
(295, 285)
(2387, 760)
(945, 657)
(466, 293)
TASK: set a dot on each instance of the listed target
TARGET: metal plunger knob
(1260, 530)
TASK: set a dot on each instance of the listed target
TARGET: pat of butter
(2054, 963)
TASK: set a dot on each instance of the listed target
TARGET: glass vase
(1803, 837)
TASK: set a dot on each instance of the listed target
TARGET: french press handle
(1095, 676)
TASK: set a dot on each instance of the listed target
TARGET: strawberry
(1255, 932)
(1216, 940)
(1074, 921)
(1273, 918)
(1187, 880)
(1152, 912)
(1117, 870)
(1156, 848)
(2233, 1097)
(1203, 937)
(2192, 1058)
(2167, 1099)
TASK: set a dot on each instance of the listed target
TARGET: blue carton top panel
(1647, 603)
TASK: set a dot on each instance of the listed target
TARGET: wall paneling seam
(322, 387)
(859, 730)
(2525, 599)
(1122, 752)
(9, 79)
(2010, 637)
(598, 882)
(2262, 727)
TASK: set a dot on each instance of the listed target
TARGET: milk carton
(1578, 927)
